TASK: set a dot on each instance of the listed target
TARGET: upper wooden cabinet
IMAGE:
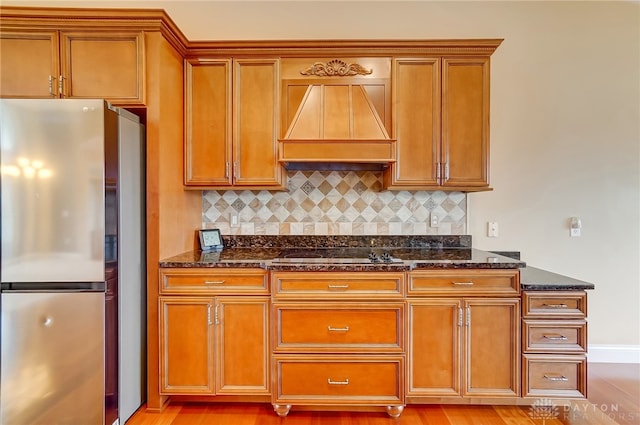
(231, 124)
(441, 122)
(416, 118)
(73, 64)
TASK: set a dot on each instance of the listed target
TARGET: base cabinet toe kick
(380, 341)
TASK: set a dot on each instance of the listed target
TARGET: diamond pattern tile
(335, 203)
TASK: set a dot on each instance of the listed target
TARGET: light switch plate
(492, 229)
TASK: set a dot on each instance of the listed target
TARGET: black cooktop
(337, 255)
(369, 255)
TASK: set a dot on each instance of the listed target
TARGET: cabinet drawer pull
(560, 378)
(214, 282)
(555, 337)
(332, 329)
(337, 287)
(554, 305)
(345, 382)
(463, 283)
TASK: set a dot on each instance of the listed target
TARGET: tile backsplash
(334, 203)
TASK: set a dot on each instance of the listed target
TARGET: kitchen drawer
(337, 285)
(466, 282)
(555, 376)
(207, 281)
(546, 336)
(556, 304)
(370, 380)
(344, 327)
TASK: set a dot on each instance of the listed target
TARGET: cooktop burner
(335, 255)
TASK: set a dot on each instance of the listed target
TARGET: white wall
(565, 129)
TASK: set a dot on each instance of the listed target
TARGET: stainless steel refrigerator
(71, 262)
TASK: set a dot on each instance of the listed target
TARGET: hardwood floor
(614, 398)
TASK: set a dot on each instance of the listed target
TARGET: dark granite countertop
(534, 279)
(408, 253)
(404, 259)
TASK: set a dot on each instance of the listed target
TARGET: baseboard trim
(614, 353)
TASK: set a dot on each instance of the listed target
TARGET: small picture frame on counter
(210, 240)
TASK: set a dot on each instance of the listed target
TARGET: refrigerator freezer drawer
(52, 348)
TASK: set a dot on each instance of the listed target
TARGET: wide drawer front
(192, 281)
(309, 327)
(492, 282)
(330, 285)
(557, 304)
(555, 376)
(356, 379)
(545, 336)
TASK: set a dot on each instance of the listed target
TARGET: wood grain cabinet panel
(416, 123)
(30, 63)
(74, 64)
(555, 304)
(545, 336)
(186, 345)
(371, 380)
(221, 281)
(465, 123)
(554, 344)
(207, 147)
(555, 376)
(338, 340)
(441, 123)
(338, 285)
(434, 347)
(338, 327)
(231, 124)
(211, 341)
(464, 348)
(466, 282)
(243, 349)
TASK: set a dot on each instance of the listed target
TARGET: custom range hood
(336, 127)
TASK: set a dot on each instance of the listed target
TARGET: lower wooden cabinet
(338, 380)
(186, 345)
(214, 345)
(557, 375)
(338, 340)
(554, 344)
(330, 340)
(463, 348)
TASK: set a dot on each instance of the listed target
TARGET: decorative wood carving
(336, 68)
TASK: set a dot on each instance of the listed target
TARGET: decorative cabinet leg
(283, 409)
(395, 411)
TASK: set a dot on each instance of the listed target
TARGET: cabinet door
(207, 148)
(29, 63)
(492, 347)
(465, 122)
(416, 123)
(106, 65)
(255, 129)
(434, 347)
(242, 345)
(186, 345)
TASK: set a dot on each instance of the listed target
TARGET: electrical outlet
(492, 229)
(234, 220)
(435, 221)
